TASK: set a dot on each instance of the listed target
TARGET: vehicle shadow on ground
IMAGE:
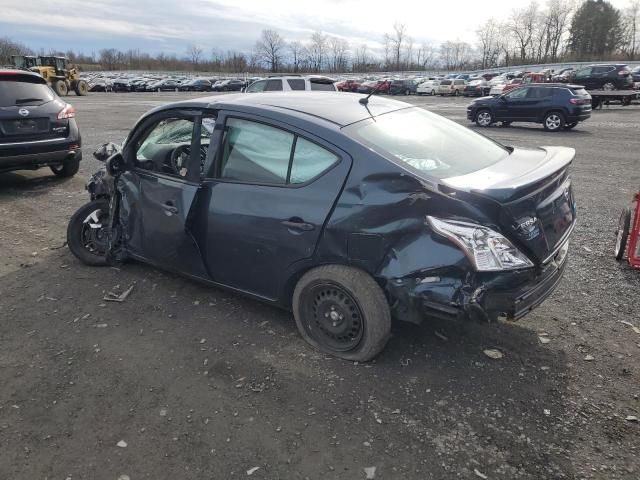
(431, 402)
(29, 181)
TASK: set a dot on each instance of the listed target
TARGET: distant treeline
(556, 31)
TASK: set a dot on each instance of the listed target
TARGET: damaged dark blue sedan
(348, 211)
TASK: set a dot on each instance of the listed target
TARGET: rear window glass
(580, 91)
(445, 82)
(325, 87)
(23, 93)
(296, 83)
(426, 143)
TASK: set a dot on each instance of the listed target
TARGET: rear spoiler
(21, 76)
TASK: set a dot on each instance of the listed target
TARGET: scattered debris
(587, 249)
(124, 477)
(479, 474)
(633, 327)
(163, 412)
(440, 336)
(122, 444)
(589, 358)
(118, 297)
(253, 470)
(543, 338)
(547, 412)
(493, 353)
(631, 418)
(370, 472)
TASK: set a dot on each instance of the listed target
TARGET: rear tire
(622, 235)
(68, 168)
(342, 311)
(60, 87)
(553, 121)
(81, 88)
(87, 243)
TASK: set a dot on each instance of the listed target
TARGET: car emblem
(566, 194)
(23, 112)
(528, 227)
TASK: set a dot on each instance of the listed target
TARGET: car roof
(560, 85)
(336, 107)
(24, 75)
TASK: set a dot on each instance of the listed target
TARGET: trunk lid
(29, 122)
(532, 195)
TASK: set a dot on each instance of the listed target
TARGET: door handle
(170, 208)
(298, 224)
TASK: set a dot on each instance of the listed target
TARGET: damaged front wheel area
(87, 233)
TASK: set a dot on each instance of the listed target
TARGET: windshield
(23, 93)
(427, 143)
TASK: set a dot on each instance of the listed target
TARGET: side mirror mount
(105, 151)
(503, 98)
(115, 164)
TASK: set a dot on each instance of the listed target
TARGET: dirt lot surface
(183, 381)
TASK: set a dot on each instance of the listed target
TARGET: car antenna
(365, 100)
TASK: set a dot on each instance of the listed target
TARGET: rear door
(265, 201)
(536, 103)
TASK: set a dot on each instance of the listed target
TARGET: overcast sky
(171, 25)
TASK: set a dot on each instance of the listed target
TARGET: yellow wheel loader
(61, 75)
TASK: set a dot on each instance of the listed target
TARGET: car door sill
(208, 281)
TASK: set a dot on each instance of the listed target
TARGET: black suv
(37, 128)
(403, 87)
(556, 105)
(604, 77)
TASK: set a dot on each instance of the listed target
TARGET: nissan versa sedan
(348, 210)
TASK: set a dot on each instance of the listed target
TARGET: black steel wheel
(87, 232)
(342, 311)
(622, 235)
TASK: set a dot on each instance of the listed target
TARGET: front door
(164, 159)
(515, 104)
(265, 202)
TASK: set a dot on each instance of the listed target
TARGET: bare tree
(9, 47)
(195, 53)
(317, 51)
(522, 24)
(360, 59)
(297, 50)
(489, 43)
(394, 43)
(631, 36)
(338, 48)
(409, 52)
(270, 49)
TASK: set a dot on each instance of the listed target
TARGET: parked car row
(157, 83)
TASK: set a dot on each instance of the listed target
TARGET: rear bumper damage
(453, 294)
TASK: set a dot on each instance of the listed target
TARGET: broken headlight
(488, 250)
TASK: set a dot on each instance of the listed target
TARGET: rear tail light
(579, 101)
(67, 112)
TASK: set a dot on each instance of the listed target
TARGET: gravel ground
(186, 381)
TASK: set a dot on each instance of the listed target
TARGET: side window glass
(296, 83)
(583, 72)
(167, 147)
(257, 86)
(255, 152)
(309, 160)
(517, 93)
(273, 86)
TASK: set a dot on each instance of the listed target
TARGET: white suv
(292, 83)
